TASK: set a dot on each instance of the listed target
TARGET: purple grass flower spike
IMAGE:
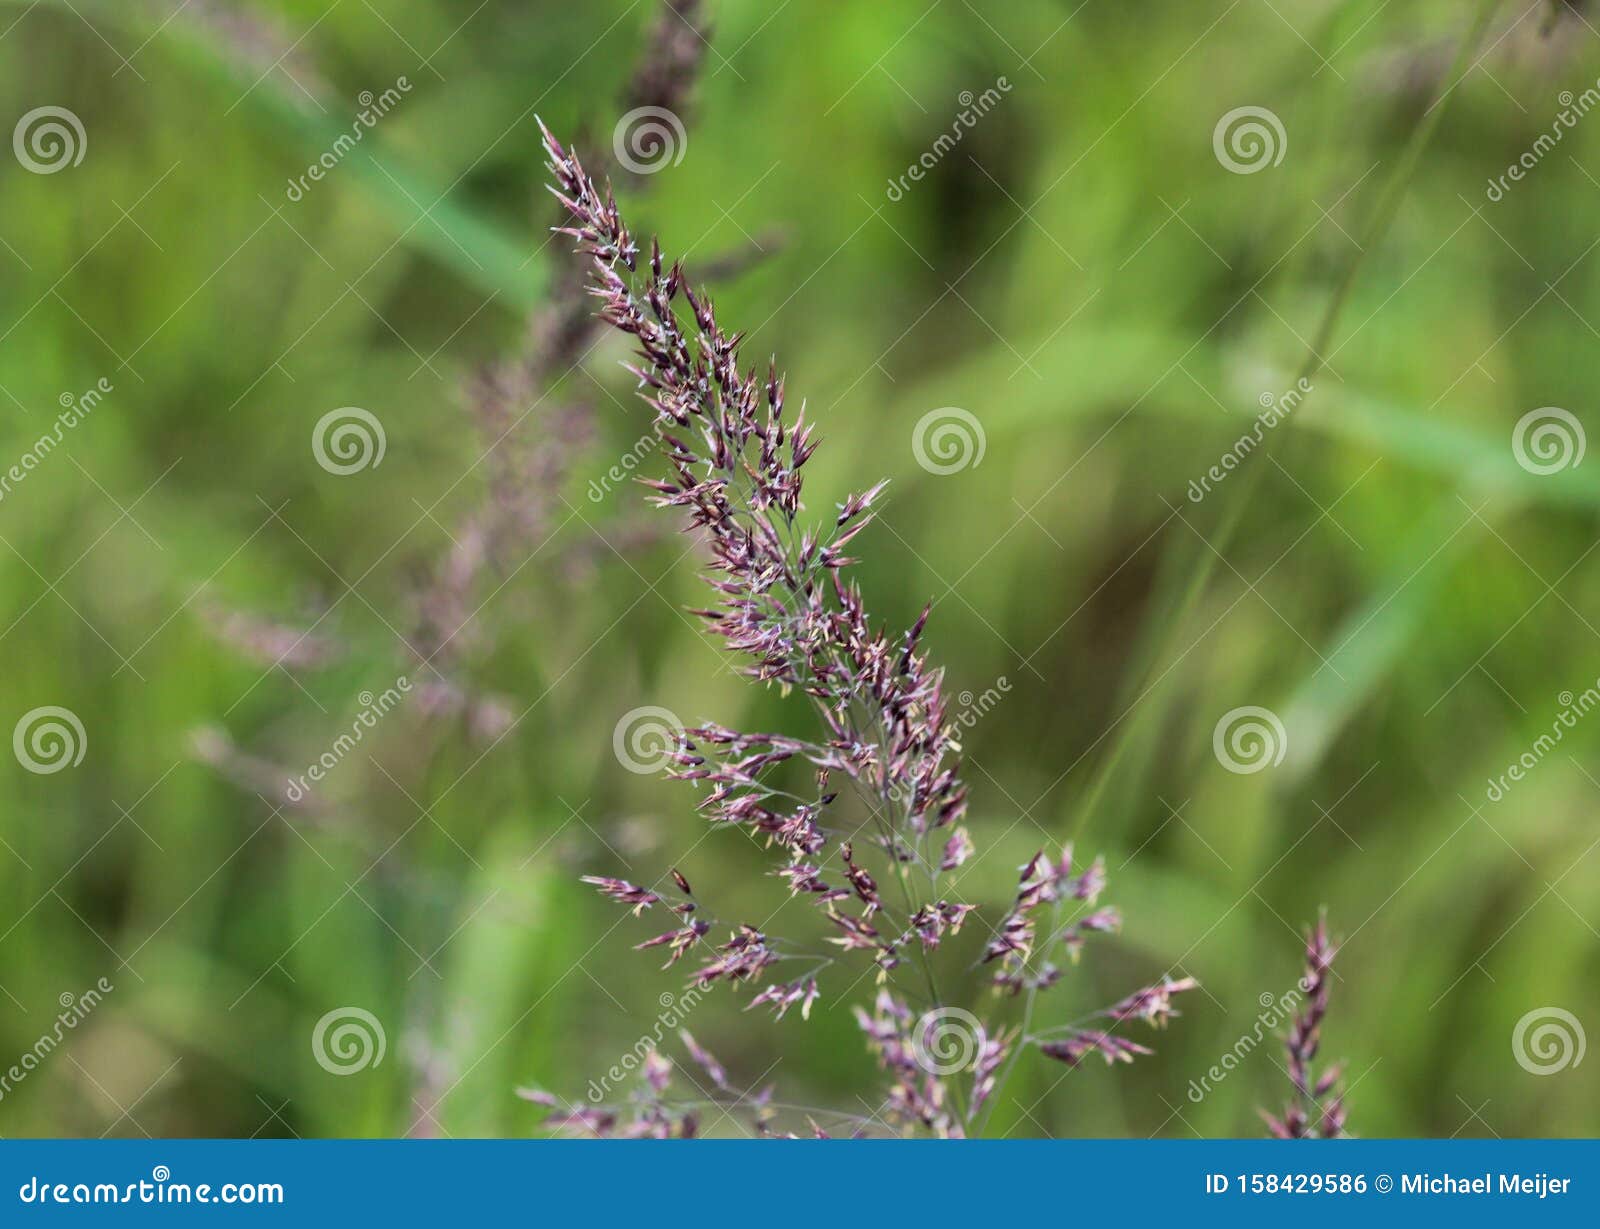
(863, 817)
(1077, 1046)
(628, 893)
(1317, 1110)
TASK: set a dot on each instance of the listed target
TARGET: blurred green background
(1080, 273)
